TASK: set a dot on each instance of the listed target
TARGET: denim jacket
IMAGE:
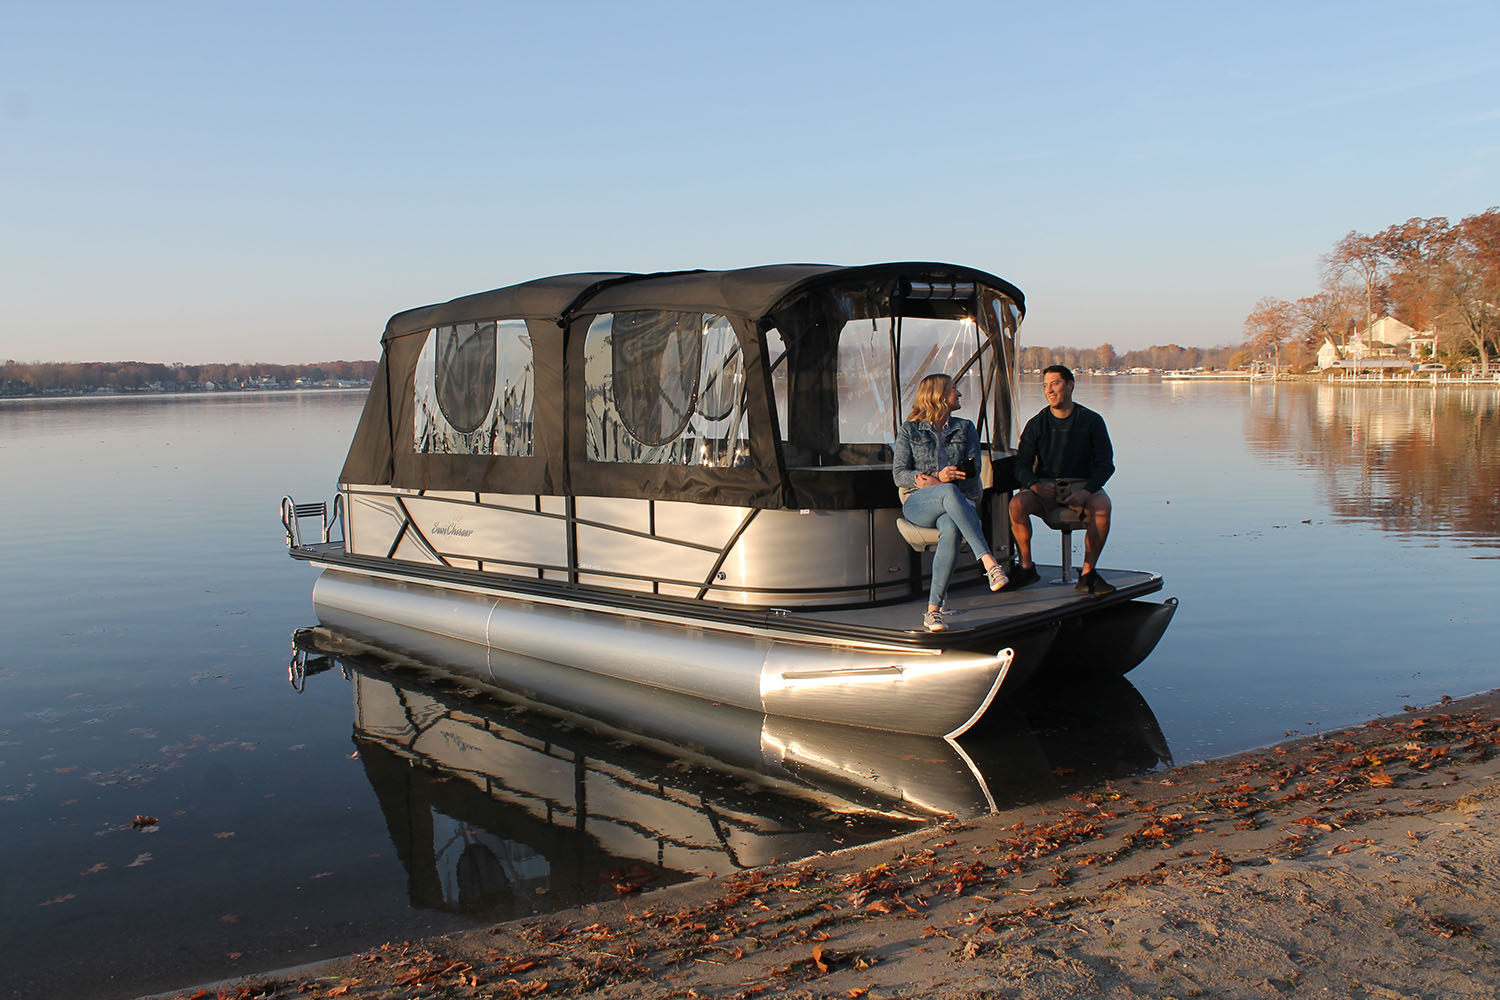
(918, 450)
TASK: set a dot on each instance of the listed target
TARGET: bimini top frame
(776, 387)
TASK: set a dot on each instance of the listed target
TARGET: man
(1064, 460)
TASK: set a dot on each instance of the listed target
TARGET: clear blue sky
(269, 182)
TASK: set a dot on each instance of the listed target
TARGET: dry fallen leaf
(144, 821)
(1445, 926)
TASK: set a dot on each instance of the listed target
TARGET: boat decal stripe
(416, 534)
(396, 542)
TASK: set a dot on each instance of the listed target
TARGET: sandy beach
(1362, 863)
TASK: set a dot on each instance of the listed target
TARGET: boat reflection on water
(558, 787)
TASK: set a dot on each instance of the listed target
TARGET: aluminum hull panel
(738, 555)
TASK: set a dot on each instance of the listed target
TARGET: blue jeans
(946, 508)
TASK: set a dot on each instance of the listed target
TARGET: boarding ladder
(293, 514)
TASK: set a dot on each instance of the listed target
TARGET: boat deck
(974, 612)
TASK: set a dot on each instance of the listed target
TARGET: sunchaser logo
(451, 528)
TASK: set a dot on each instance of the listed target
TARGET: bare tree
(1270, 324)
(1363, 259)
(1327, 315)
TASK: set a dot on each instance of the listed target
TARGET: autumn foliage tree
(1431, 274)
(1466, 282)
(1272, 323)
(1414, 252)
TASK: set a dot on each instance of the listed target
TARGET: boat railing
(293, 514)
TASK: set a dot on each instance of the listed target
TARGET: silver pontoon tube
(923, 691)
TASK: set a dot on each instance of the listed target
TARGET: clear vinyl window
(473, 390)
(664, 388)
(1004, 321)
(776, 357)
(867, 412)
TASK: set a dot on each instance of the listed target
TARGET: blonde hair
(928, 404)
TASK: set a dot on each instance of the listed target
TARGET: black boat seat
(1066, 520)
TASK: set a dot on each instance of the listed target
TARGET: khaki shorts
(1064, 488)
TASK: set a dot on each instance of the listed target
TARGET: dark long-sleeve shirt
(1073, 447)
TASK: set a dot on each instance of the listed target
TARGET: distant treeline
(38, 378)
(1165, 357)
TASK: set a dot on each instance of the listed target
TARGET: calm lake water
(1333, 549)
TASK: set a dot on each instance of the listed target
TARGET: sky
(216, 182)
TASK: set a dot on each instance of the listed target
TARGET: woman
(932, 448)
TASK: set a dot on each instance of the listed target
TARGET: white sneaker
(997, 576)
(934, 621)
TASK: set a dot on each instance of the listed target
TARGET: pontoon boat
(683, 480)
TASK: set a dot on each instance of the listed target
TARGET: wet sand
(1363, 863)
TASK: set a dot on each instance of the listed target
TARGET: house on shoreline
(1386, 340)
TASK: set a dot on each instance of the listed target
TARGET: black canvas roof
(544, 298)
(751, 291)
